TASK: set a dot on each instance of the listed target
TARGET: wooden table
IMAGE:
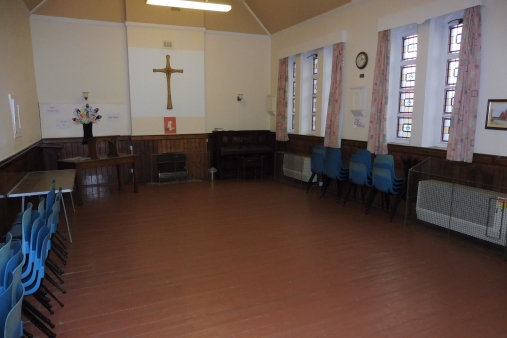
(83, 163)
(38, 183)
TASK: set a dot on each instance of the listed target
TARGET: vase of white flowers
(86, 116)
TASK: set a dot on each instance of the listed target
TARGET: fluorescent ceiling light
(190, 4)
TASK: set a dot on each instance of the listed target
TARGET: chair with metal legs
(317, 164)
(335, 170)
(13, 325)
(29, 311)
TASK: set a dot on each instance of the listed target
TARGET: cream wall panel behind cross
(148, 89)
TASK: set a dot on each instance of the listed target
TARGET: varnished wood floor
(262, 259)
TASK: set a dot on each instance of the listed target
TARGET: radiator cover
(297, 167)
(472, 211)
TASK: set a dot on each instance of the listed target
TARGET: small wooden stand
(112, 146)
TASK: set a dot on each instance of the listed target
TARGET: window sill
(401, 142)
(441, 145)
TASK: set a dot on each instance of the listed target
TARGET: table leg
(120, 178)
(22, 203)
(262, 165)
(134, 169)
(67, 220)
(72, 200)
(79, 188)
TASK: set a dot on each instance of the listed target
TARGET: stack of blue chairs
(360, 172)
(31, 250)
(385, 181)
(335, 170)
(318, 160)
(11, 288)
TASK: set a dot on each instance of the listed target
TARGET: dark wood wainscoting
(72, 147)
(146, 147)
(192, 145)
(12, 170)
(404, 156)
(490, 170)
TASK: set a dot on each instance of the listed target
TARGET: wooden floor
(262, 259)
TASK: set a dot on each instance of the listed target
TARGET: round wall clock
(361, 60)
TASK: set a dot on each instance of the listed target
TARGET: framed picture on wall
(496, 115)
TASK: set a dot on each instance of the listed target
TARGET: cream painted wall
(493, 75)
(236, 64)
(148, 90)
(361, 35)
(17, 77)
(72, 56)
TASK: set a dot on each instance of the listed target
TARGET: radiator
(297, 167)
(471, 211)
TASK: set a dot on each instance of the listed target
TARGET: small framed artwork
(496, 115)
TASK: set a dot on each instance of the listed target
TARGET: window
(452, 64)
(422, 81)
(293, 118)
(315, 72)
(309, 77)
(407, 83)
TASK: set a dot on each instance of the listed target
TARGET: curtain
(332, 135)
(377, 138)
(464, 110)
(281, 100)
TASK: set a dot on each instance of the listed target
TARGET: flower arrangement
(86, 115)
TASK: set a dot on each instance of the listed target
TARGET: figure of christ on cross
(168, 71)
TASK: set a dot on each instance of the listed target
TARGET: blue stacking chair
(317, 163)
(14, 265)
(31, 262)
(5, 254)
(16, 228)
(335, 170)
(387, 162)
(34, 283)
(6, 300)
(366, 155)
(360, 173)
(383, 181)
(58, 251)
(11, 292)
(13, 324)
(53, 220)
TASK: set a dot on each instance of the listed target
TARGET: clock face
(361, 60)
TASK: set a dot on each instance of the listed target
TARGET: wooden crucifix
(168, 71)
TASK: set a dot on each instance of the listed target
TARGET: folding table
(38, 183)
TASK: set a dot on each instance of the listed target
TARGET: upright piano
(229, 147)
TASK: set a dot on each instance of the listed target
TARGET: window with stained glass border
(452, 67)
(315, 71)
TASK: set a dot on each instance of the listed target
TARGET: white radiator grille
(475, 212)
(297, 167)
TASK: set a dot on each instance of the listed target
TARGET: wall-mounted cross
(168, 71)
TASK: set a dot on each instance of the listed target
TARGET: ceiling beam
(255, 16)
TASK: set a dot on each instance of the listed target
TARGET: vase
(87, 132)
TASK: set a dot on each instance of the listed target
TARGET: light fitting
(85, 96)
(240, 97)
(190, 4)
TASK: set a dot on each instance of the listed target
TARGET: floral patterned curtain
(377, 138)
(281, 100)
(464, 110)
(332, 136)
